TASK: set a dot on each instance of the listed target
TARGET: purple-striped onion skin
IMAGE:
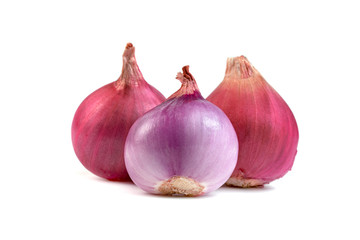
(266, 128)
(103, 119)
(185, 146)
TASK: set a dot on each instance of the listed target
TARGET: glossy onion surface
(266, 128)
(103, 119)
(186, 145)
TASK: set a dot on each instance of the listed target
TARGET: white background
(54, 53)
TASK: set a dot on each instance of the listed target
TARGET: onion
(185, 146)
(266, 128)
(103, 119)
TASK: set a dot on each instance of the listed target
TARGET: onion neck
(189, 85)
(130, 73)
(239, 68)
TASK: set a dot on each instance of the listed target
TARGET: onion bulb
(266, 128)
(184, 146)
(103, 119)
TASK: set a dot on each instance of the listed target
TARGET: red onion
(103, 119)
(186, 145)
(265, 126)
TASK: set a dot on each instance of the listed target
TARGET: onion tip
(129, 52)
(188, 83)
(129, 45)
(239, 66)
(130, 73)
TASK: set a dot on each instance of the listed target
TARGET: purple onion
(185, 146)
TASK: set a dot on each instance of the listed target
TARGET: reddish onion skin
(266, 128)
(102, 121)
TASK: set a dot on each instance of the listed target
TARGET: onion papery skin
(266, 128)
(102, 121)
(185, 146)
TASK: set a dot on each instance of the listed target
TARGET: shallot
(266, 128)
(103, 119)
(184, 146)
